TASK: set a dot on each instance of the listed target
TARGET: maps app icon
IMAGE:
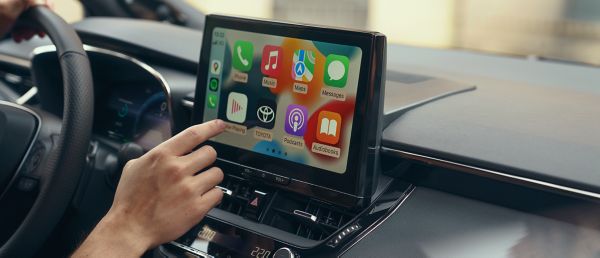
(303, 65)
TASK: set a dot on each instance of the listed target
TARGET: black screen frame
(364, 143)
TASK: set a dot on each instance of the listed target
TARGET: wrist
(115, 236)
(119, 227)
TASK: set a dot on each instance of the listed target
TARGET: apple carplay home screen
(288, 98)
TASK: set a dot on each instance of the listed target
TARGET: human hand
(9, 13)
(159, 197)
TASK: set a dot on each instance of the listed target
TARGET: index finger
(184, 142)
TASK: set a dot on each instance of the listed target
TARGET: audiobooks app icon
(237, 105)
(328, 127)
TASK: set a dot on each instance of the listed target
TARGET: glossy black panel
(222, 239)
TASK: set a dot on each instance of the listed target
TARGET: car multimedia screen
(285, 97)
(299, 101)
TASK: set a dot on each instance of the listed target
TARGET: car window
(70, 10)
(558, 29)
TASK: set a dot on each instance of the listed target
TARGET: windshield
(559, 29)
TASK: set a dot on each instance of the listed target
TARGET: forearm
(112, 238)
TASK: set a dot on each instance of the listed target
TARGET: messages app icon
(242, 55)
(336, 70)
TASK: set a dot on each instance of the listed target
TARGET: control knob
(284, 252)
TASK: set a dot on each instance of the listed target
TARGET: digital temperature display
(260, 252)
(224, 241)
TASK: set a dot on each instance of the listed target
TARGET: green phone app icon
(211, 100)
(336, 70)
(243, 52)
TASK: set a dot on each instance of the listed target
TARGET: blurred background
(566, 30)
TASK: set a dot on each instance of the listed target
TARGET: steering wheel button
(27, 184)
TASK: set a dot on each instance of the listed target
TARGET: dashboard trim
(492, 174)
(163, 82)
(27, 96)
(35, 136)
(14, 61)
(187, 103)
(372, 228)
(339, 194)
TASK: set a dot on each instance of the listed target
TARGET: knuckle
(218, 174)
(215, 198)
(187, 190)
(200, 206)
(200, 211)
(194, 133)
(129, 164)
(213, 125)
(156, 154)
(175, 170)
(219, 195)
(210, 151)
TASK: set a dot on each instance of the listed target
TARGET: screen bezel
(347, 182)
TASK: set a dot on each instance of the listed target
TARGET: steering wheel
(40, 164)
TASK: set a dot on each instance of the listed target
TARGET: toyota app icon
(265, 113)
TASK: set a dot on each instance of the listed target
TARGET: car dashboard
(429, 202)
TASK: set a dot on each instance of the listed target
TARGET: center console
(300, 152)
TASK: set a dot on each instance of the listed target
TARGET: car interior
(340, 141)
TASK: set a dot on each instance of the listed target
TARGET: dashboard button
(27, 184)
(281, 180)
(262, 175)
(255, 205)
(342, 235)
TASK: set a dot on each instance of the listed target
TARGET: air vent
(294, 213)
(237, 194)
(242, 198)
(305, 217)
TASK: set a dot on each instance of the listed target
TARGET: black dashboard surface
(436, 224)
(527, 118)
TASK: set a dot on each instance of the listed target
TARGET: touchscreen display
(285, 97)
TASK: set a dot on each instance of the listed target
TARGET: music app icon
(271, 59)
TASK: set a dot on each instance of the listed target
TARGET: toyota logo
(265, 114)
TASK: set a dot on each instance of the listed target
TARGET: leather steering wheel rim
(63, 166)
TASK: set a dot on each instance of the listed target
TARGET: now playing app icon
(237, 105)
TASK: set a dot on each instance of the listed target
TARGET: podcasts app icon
(296, 118)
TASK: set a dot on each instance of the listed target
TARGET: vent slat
(317, 221)
(329, 219)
